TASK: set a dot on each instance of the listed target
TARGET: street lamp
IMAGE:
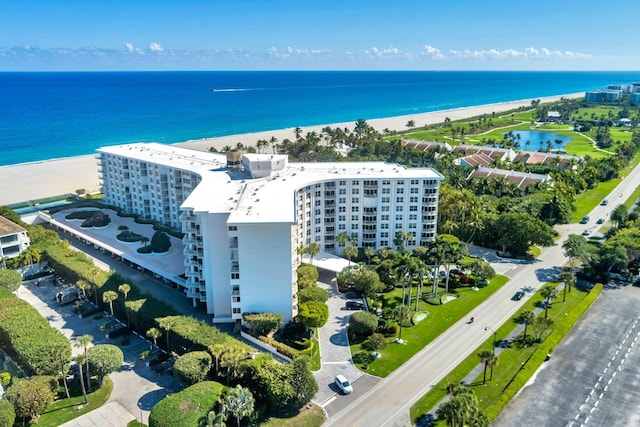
(488, 328)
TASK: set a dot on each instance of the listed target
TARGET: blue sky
(319, 35)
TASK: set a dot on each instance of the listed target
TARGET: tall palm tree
(489, 359)
(83, 285)
(230, 360)
(167, 323)
(217, 350)
(527, 317)
(84, 342)
(313, 249)
(400, 315)
(125, 288)
(110, 297)
(350, 252)
(369, 252)
(64, 374)
(548, 293)
(80, 359)
(154, 334)
(406, 267)
(239, 402)
(342, 238)
(569, 280)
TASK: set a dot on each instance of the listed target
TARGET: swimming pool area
(39, 205)
(538, 140)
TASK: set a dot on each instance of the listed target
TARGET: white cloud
(155, 47)
(433, 52)
(527, 53)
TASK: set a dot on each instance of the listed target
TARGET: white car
(343, 384)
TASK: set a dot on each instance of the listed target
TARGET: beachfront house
(13, 239)
(244, 216)
(521, 179)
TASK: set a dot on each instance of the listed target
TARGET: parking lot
(593, 377)
(137, 387)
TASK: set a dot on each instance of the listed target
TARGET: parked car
(442, 275)
(586, 232)
(600, 221)
(352, 295)
(343, 384)
(518, 296)
(605, 202)
(584, 220)
(354, 305)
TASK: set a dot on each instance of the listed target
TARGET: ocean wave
(231, 90)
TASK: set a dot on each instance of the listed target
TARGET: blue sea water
(45, 115)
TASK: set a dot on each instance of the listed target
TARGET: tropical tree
(239, 402)
(167, 323)
(105, 359)
(620, 215)
(80, 359)
(125, 288)
(342, 238)
(540, 326)
(217, 350)
(575, 248)
(154, 334)
(369, 252)
(313, 249)
(84, 342)
(549, 293)
(489, 359)
(231, 360)
(350, 252)
(109, 297)
(192, 367)
(31, 396)
(459, 410)
(313, 314)
(83, 285)
(527, 317)
(569, 280)
(401, 313)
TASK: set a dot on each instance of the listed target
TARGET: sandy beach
(32, 181)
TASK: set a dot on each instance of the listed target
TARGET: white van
(343, 384)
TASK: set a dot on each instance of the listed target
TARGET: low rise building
(13, 239)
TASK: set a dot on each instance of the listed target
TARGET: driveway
(136, 387)
(335, 354)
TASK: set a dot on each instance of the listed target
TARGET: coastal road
(389, 401)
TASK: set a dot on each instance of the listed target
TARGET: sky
(74, 35)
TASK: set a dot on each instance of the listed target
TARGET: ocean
(46, 115)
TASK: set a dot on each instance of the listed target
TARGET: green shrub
(281, 347)
(307, 275)
(104, 359)
(376, 342)
(129, 236)
(188, 407)
(263, 323)
(363, 323)
(34, 344)
(192, 368)
(7, 413)
(98, 219)
(160, 242)
(312, 293)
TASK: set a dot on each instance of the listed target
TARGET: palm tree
(110, 297)
(230, 360)
(64, 375)
(342, 238)
(167, 323)
(527, 317)
(217, 350)
(489, 359)
(548, 293)
(83, 285)
(94, 272)
(154, 334)
(217, 420)
(144, 241)
(350, 252)
(569, 280)
(79, 359)
(84, 342)
(369, 252)
(313, 249)
(125, 288)
(239, 402)
(400, 314)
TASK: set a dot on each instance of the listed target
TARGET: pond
(538, 140)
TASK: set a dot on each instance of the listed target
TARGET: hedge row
(282, 348)
(189, 407)
(29, 338)
(537, 358)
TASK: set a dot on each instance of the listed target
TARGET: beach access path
(38, 180)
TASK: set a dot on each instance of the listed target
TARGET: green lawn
(309, 416)
(68, 409)
(515, 366)
(440, 318)
(591, 198)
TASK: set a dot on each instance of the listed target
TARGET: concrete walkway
(112, 414)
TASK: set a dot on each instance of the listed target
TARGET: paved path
(335, 354)
(136, 387)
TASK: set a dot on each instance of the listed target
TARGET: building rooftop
(9, 227)
(268, 199)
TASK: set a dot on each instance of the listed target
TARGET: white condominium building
(244, 215)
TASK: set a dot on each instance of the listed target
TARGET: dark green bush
(192, 368)
(160, 242)
(312, 293)
(282, 348)
(263, 323)
(188, 407)
(99, 219)
(129, 237)
(307, 275)
(7, 413)
(363, 323)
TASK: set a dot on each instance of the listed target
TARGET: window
(414, 190)
(235, 276)
(399, 208)
(354, 226)
(342, 209)
(355, 191)
(342, 191)
(386, 191)
(398, 217)
(231, 227)
(384, 217)
(355, 200)
(354, 217)
(413, 199)
(413, 209)
(384, 226)
(386, 200)
(342, 200)
(384, 234)
(400, 190)
(235, 299)
(237, 310)
(399, 199)
(355, 208)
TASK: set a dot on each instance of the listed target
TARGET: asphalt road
(593, 376)
(388, 402)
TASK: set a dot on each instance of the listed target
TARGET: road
(389, 401)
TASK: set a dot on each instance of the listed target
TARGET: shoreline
(24, 182)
